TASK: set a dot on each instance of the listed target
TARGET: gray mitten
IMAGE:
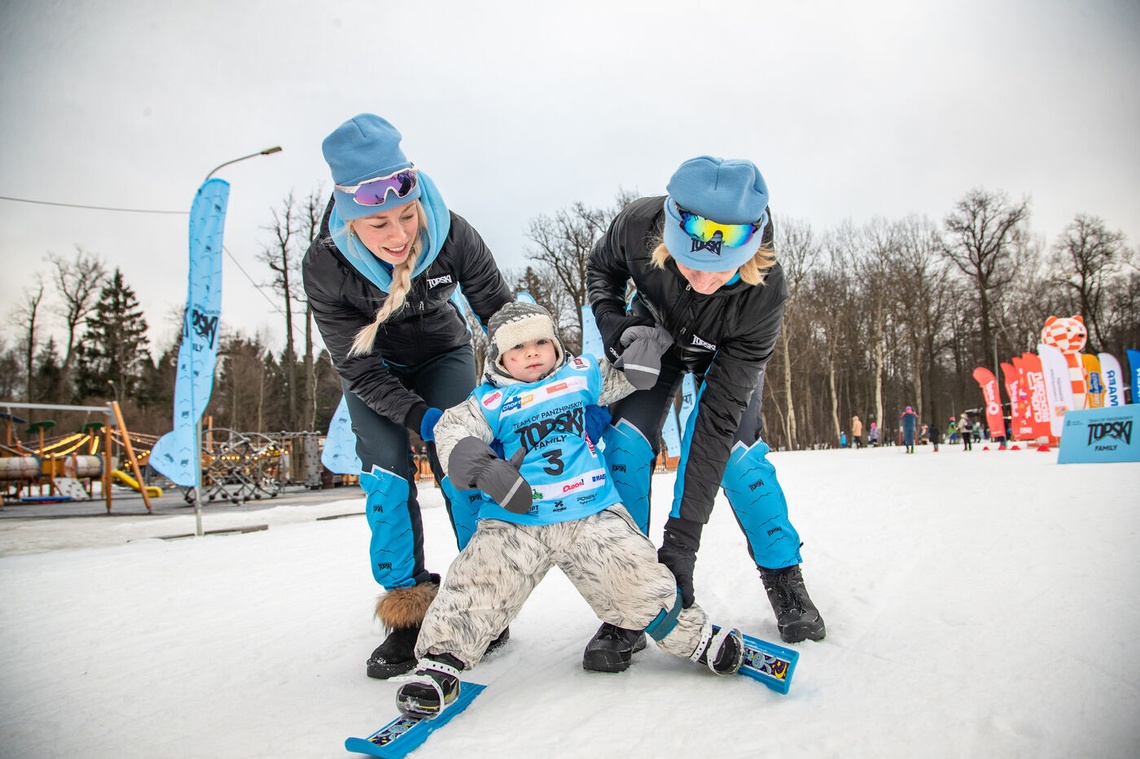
(641, 359)
(473, 464)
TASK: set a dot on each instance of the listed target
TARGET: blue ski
(769, 663)
(406, 733)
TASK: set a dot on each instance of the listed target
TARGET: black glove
(642, 347)
(678, 551)
(427, 424)
(473, 464)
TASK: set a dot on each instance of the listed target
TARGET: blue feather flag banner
(339, 454)
(591, 337)
(174, 453)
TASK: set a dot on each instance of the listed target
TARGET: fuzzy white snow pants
(611, 563)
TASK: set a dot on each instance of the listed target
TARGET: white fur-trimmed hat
(514, 324)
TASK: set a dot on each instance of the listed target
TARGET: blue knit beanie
(365, 147)
(727, 191)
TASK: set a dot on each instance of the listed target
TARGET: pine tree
(114, 358)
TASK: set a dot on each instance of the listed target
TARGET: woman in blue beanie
(379, 280)
(702, 263)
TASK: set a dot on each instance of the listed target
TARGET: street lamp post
(200, 412)
(267, 151)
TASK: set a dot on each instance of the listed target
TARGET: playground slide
(126, 479)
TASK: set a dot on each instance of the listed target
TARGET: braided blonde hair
(397, 292)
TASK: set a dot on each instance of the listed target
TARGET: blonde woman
(703, 265)
(379, 280)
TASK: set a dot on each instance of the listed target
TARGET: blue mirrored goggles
(706, 230)
(373, 192)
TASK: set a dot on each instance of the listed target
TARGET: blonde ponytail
(397, 293)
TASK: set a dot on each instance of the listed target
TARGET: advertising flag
(1093, 381)
(591, 338)
(339, 454)
(1134, 362)
(1113, 380)
(1058, 386)
(175, 452)
(1038, 396)
(992, 396)
(1019, 427)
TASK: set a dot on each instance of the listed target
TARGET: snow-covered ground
(977, 604)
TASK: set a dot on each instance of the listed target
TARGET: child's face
(530, 360)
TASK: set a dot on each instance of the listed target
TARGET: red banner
(1038, 396)
(992, 395)
(1018, 402)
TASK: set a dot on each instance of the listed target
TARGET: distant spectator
(873, 435)
(935, 436)
(909, 421)
(966, 431)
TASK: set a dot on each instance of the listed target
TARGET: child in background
(553, 505)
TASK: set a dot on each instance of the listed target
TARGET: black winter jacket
(726, 337)
(428, 325)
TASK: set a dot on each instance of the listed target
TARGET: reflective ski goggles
(706, 230)
(373, 192)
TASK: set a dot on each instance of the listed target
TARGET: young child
(549, 504)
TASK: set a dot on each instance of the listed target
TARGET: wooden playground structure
(67, 466)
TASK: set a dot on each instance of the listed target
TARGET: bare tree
(798, 252)
(922, 275)
(1088, 255)
(982, 231)
(311, 213)
(283, 258)
(78, 283)
(27, 315)
(564, 242)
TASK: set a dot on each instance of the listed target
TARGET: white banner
(1058, 386)
(1113, 379)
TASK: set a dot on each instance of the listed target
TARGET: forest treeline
(880, 315)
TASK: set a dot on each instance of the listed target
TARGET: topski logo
(436, 281)
(1121, 431)
(703, 343)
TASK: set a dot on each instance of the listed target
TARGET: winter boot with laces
(432, 687)
(721, 650)
(796, 616)
(612, 648)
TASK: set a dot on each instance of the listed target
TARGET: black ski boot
(435, 687)
(612, 648)
(796, 616)
(727, 647)
(396, 655)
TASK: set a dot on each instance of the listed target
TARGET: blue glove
(597, 419)
(427, 424)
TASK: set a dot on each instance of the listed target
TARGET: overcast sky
(516, 109)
